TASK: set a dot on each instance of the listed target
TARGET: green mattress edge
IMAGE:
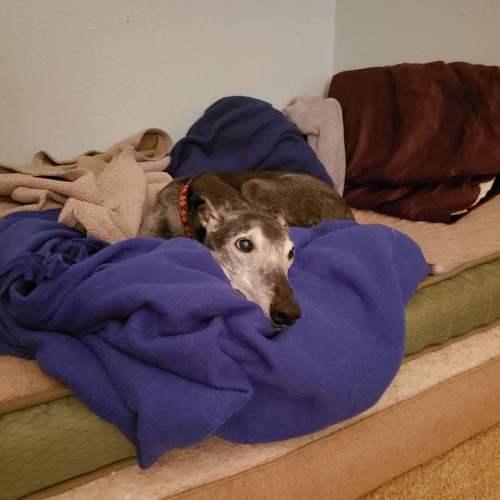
(453, 307)
(62, 439)
(53, 442)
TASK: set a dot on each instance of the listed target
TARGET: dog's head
(255, 252)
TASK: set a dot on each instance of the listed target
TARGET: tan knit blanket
(104, 194)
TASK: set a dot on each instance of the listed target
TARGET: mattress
(48, 437)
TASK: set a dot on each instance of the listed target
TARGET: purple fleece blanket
(152, 337)
(242, 133)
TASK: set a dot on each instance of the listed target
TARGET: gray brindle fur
(243, 218)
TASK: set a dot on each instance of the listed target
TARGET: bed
(420, 372)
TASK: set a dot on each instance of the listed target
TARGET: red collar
(182, 207)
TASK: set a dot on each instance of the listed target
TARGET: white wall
(381, 32)
(78, 75)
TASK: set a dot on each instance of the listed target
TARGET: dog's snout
(285, 313)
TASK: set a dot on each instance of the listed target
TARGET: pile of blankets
(152, 337)
(108, 194)
(225, 139)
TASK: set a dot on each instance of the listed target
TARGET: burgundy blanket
(419, 138)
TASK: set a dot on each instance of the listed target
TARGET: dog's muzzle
(284, 313)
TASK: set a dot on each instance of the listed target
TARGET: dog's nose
(285, 314)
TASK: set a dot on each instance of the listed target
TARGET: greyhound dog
(243, 218)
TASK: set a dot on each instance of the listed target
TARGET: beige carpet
(469, 471)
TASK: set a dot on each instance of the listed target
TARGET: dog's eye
(291, 254)
(244, 245)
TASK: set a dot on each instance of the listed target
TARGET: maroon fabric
(419, 137)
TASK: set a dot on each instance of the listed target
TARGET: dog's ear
(207, 215)
(257, 190)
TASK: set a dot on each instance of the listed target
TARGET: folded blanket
(104, 194)
(321, 120)
(152, 337)
(421, 139)
(240, 134)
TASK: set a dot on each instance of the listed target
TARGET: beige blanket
(321, 121)
(473, 239)
(105, 194)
